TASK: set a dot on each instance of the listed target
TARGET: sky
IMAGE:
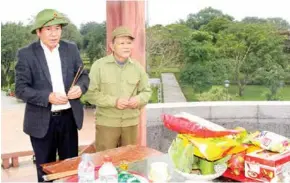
(159, 11)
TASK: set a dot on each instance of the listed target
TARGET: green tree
(254, 20)
(198, 76)
(13, 37)
(164, 46)
(198, 47)
(273, 78)
(204, 16)
(222, 69)
(215, 26)
(277, 22)
(94, 39)
(199, 52)
(71, 33)
(287, 70)
(250, 46)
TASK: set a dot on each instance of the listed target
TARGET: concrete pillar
(132, 15)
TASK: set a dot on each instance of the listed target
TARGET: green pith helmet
(121, 32)
(48, 17)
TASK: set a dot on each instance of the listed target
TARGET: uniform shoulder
(101, 61)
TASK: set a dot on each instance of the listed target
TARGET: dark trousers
(61, 138)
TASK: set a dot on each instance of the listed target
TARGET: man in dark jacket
(45, 73)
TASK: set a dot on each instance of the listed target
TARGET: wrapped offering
(213, 149)
(185, 126)
(270, 141)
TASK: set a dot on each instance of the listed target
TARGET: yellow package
(213, 149)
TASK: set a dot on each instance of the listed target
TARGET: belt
(60, 112)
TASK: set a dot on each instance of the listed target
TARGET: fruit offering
(182, 125)
(213, 149)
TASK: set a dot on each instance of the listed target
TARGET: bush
(197, 76)
(216, 93)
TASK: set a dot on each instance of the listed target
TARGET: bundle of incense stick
(136, 86)
(79, 73)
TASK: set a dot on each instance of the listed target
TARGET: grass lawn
(285, 93)
(256, 93)
(154, 96)
(251, 93)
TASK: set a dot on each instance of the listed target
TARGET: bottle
(108, 173)
(86, 169)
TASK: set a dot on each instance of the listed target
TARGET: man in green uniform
(119, 87)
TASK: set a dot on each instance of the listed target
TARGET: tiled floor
(26, 172)
(13, 139)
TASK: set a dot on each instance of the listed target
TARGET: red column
(132, 15)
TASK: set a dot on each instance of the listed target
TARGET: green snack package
(126, 177)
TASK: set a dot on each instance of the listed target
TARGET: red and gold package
(264, 165)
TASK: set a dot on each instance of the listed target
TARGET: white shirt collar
(46, 48)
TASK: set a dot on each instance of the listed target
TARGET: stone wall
(271, 116)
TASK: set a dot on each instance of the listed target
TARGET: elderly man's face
(122, 48)
(50, 35)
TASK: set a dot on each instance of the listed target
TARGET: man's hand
(74, 92)
(122, 103)
(57, 98)
(133, 103)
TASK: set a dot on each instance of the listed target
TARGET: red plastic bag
(184, 126)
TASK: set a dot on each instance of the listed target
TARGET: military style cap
(121, 32)
(48, 17)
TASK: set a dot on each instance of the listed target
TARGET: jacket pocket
(109, 85)
(132, 85)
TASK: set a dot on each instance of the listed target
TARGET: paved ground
(13, 139)
(171, 89)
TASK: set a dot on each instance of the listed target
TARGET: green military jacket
(110, 81)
